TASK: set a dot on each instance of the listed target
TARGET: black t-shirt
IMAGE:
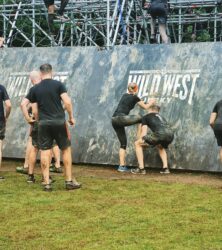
(29, 96)
(159, 1)
(155, 122)
(218, 109)
(47, 95)
(3, 97)
(127, 103)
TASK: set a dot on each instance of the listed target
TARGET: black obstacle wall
(187, 78)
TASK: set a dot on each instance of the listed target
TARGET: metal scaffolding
(106, 23)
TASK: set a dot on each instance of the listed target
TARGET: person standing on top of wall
(158, 9)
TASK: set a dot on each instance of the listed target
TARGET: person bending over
(121, 119)
(155, 132)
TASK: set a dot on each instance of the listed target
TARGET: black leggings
(120, 122)
(62, 5)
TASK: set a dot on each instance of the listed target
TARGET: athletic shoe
(22, 170)
(2, 178)
(54, 169)
(123, 169)
(153, 40)
(165, 171)
(70, 185)
(62, 18)
(31, 179)
(47, 188)
(138, 171)
(50, 180)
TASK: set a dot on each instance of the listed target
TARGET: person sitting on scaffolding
(158, 9)
(50, 5)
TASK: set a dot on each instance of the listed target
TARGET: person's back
(155, 122)
(159, 1)
(218, 109)
(126, 104)
(47, 95)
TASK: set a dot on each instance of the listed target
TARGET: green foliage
(204, 36)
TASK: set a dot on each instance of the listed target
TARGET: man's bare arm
(35, 111)
(8, 107)
(144, 130)
(24, 107)
(68, 107)
(213, 117)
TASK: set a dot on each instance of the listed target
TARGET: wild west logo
(19, 82)
(167, 83)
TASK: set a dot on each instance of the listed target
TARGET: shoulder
(2, 87)
(56, 82)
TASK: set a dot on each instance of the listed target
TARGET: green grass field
(109, 214)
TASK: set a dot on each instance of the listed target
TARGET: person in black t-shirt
(48, 110)
(32, 148)
(158, 9)
(155, 132)
(4, 114)
(121, 119)
(216, 124)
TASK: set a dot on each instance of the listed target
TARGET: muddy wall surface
(187, 78)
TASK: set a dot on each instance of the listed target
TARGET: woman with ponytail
(121, 119)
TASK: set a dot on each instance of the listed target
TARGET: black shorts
(48, 133)
(159, 10)
(48, 2)
(2, 130)
(218, 133)
(163, 138)
(34, 134)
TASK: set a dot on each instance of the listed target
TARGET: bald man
(32, 145)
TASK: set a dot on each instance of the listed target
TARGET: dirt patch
(214, 180)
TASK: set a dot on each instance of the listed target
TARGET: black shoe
(47, 188)
(138, 171)
(70, 185)
(31, 179)
(50, 180)
(22, 170)
(62, 18)
(54, 169)
(153, 39)
(2, 178)
(165, 171)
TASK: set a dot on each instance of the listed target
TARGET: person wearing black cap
(155, 132)
(121, 119)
